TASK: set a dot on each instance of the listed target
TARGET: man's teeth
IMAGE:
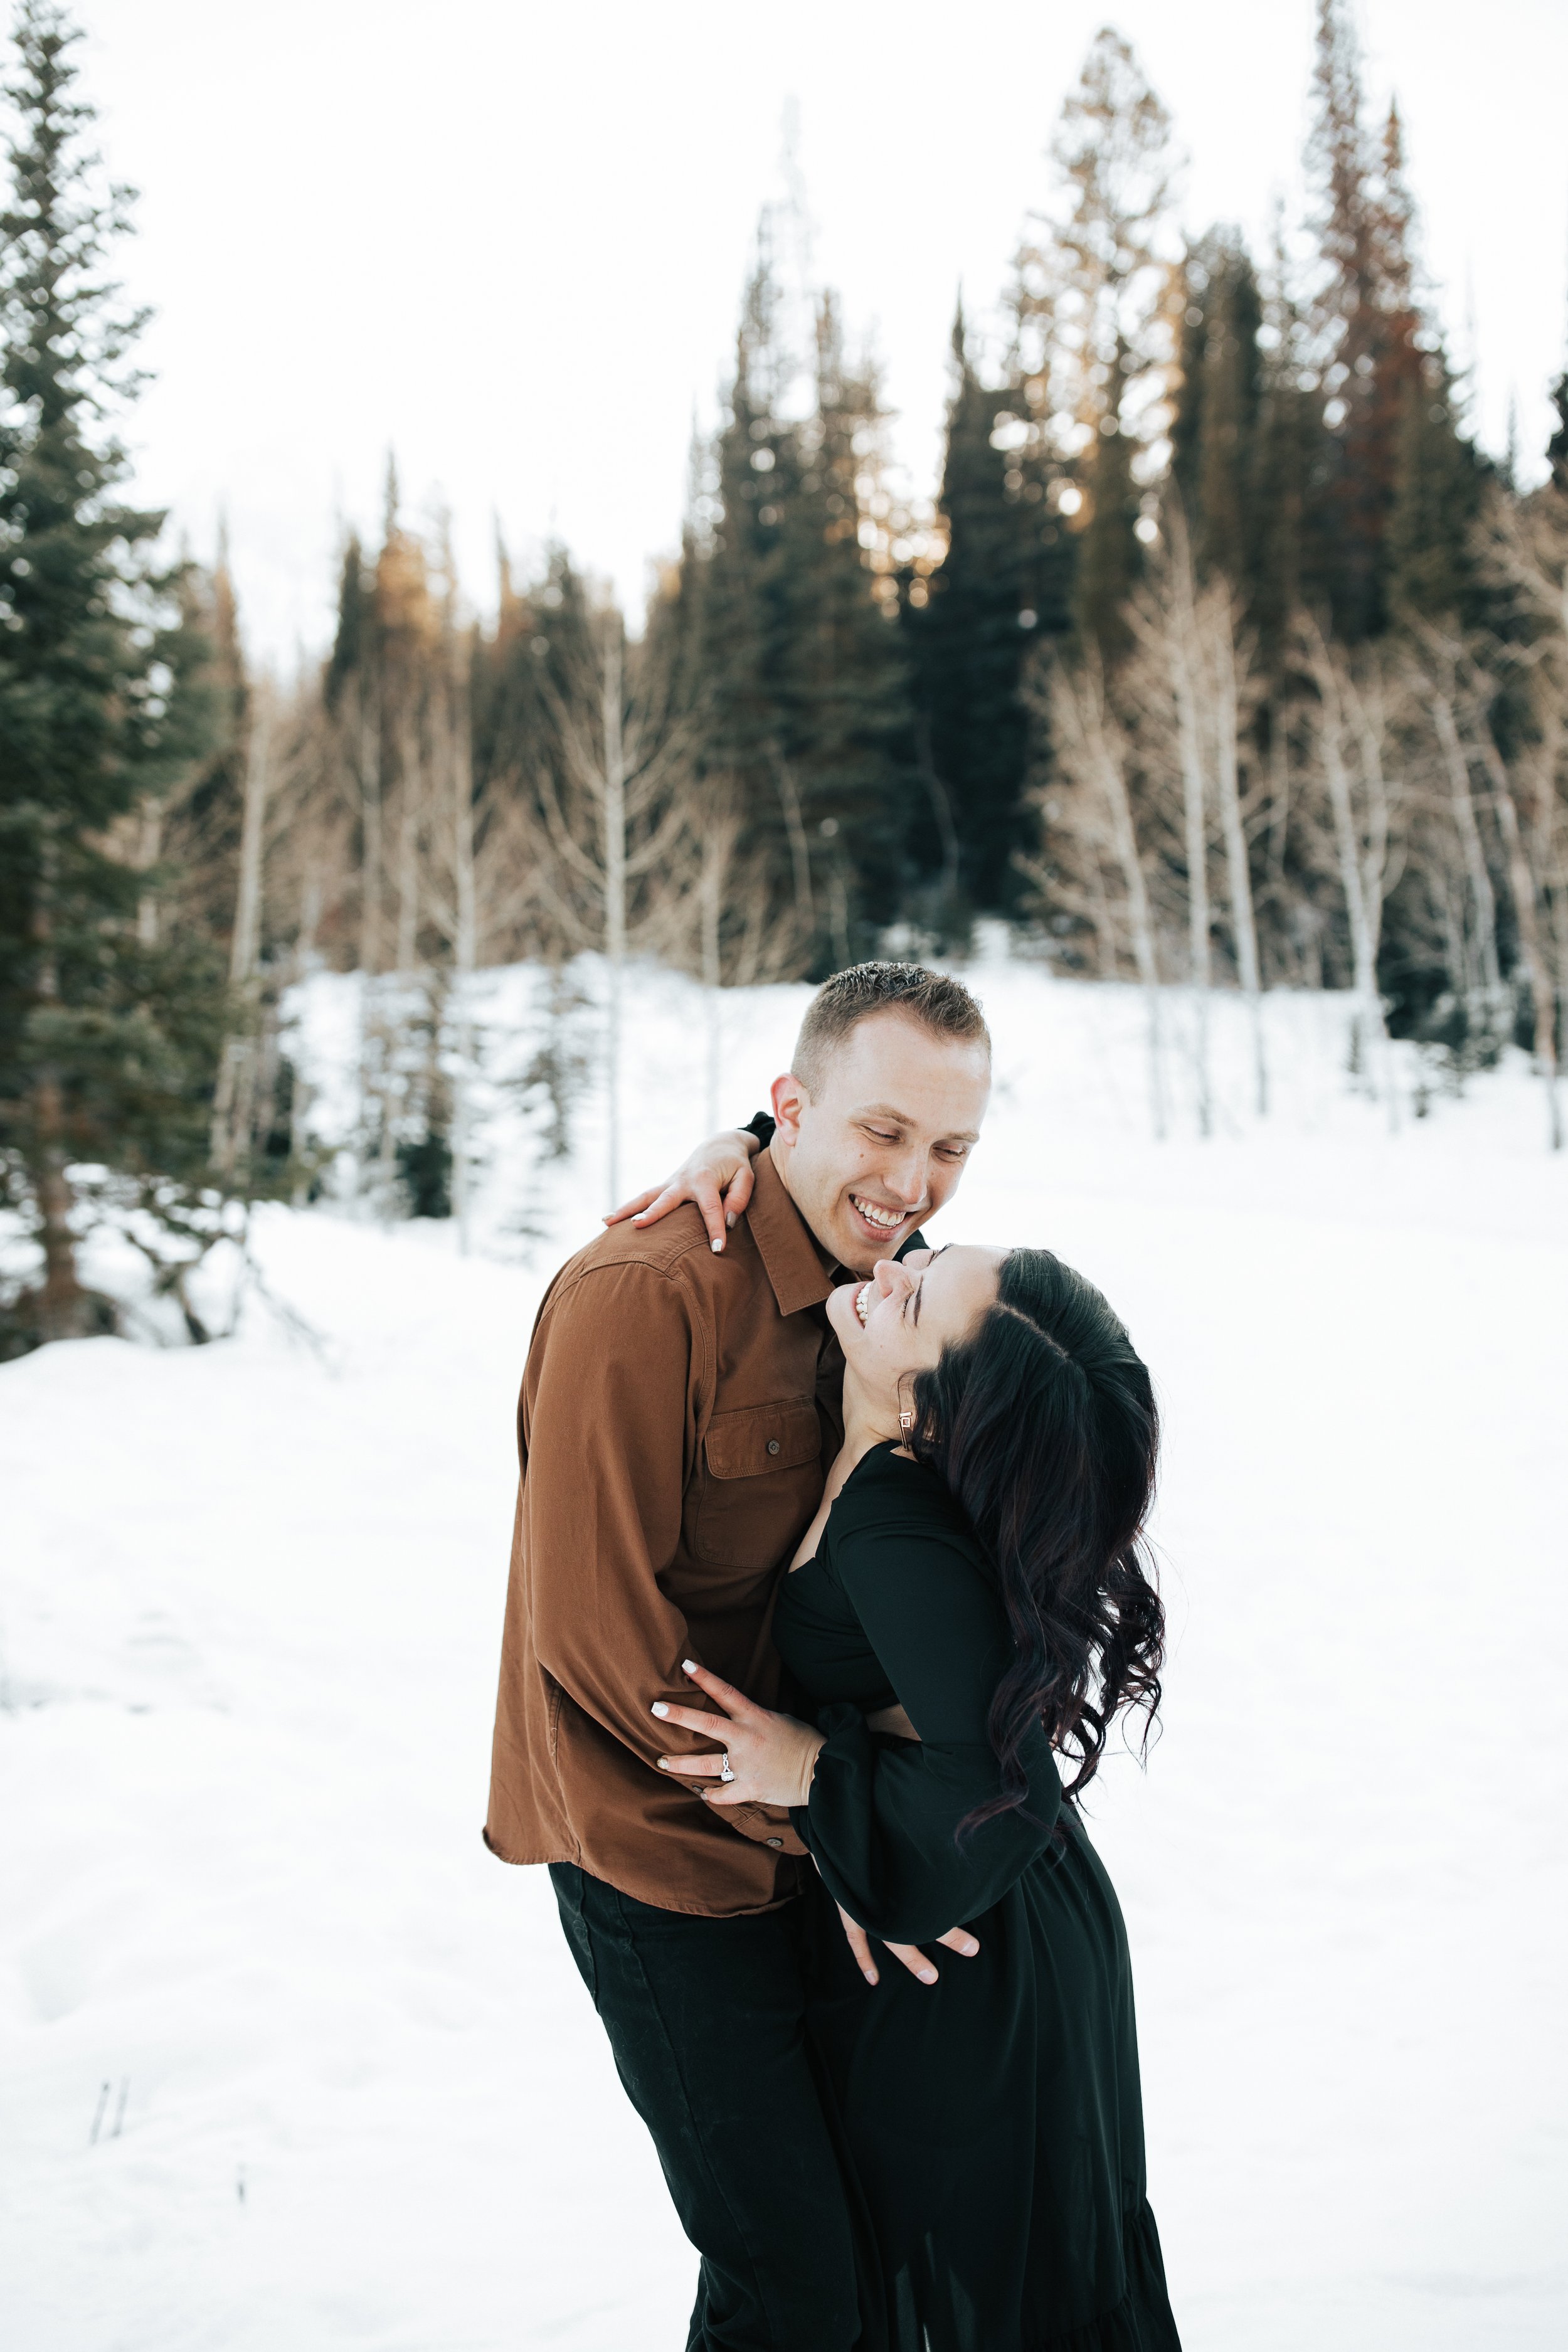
(863, 1301)
(886, 1218)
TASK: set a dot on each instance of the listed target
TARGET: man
(681, 1401)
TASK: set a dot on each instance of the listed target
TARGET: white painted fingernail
(730, 1216)
(660, 1708)
(688, 1666)
(716, 1246)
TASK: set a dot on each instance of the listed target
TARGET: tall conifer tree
(1094, 298)
(1557, 446)
(1215, 436)
(968, 641)
(107, 1040)
(1403, 482)
(806, 694)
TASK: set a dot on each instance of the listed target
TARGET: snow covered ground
(248, 1627)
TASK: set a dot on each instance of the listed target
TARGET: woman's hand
(773, 1759)
(717, 1176)
(957, 1939)
(772, 1756)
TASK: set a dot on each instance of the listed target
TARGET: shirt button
(778, 1842)
(772, 1445)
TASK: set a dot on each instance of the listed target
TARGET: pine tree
(968, 638)
(750, 587)
(1395, 445)
(805, 689)
(191, 850)
(1094, 300)
(1439, 484)
(108, 1039)
(1557, 446)
(1215, 434)
(851, 683)
(1291, 467)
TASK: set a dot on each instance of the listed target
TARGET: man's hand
(717, 1176)
(957, 1939)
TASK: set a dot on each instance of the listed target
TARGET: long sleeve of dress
(883, 1812)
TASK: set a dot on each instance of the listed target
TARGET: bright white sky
(508, 239)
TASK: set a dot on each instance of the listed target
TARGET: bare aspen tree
(367, 733)
(311, 896)
(466, 948)
(799, 846)
(612, 806)
(451, 891)
(1527, 551)
(411, 783)
(1437, 661)
(1227, 661)
(1164, 619)
(1192, 687)
(617, 819)
(364, 723)
(1351, 723)
(719, 837)
(234, 1102)
(149, 849)
(1093, 756)
(1522, 891)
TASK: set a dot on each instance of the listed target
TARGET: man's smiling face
(883, 1139)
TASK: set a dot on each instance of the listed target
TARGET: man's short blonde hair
(939, 1005)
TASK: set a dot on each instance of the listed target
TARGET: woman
(969, 1604)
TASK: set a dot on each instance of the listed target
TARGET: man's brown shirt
(677, 1415)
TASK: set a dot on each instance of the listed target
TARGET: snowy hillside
(248, 1628)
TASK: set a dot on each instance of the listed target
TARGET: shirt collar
(789, 1254)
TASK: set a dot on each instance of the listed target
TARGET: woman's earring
(906, 1421)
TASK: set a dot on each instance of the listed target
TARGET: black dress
(993, 2119)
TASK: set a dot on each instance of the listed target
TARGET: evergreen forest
(1221, 658)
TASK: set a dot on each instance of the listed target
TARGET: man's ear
(789, 1099)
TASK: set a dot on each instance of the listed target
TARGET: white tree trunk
(372, 877)
(1184, 668)
(464, 949)
(1226, 691)
(1532, 954)
(1461, 802)
(233, 1104)
(799, 849)
(614, 886)
(1082, 706)
(304, 957)
(149, 849)
(1363, 910)
(411, 793)
(711, 889)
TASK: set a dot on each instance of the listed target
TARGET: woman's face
(898, 1323)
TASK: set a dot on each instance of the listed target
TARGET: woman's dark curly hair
(1042, 1423)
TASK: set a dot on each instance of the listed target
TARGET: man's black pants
(706, 2019)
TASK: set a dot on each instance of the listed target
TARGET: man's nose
(908, 1180)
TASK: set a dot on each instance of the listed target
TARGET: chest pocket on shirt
(762, 1480)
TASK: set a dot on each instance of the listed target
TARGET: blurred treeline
(1222, 657)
